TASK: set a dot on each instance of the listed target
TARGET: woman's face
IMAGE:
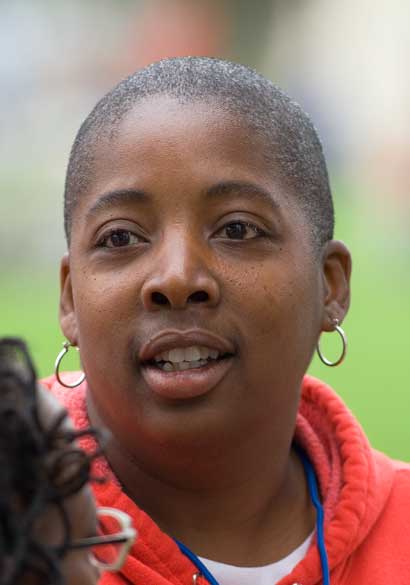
(187, 242)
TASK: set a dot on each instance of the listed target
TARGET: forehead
(161, 136)
(168, 114)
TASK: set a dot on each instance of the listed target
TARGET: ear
(68, 320)
(337, 268)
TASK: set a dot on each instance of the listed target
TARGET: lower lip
(186, 383)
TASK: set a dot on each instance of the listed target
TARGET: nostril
(159, 299)
(199, 296)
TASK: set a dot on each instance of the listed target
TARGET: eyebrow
(113, 198)
(242, 188)
(220, 190)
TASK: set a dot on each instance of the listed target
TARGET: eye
(119, 238)
(240, 230)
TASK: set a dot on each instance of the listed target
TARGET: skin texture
(216, 471)
(81, 511)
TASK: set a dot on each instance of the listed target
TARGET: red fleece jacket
(366, 498)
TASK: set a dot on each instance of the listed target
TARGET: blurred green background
(57, 58)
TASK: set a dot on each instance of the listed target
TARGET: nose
(180, 277)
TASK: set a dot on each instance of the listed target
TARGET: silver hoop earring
(66, 347)
(344, 347)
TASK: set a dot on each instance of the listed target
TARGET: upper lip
(171, 338)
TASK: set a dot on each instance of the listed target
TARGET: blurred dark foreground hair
(40, 467)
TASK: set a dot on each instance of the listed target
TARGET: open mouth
(186, 358)
(180, 365)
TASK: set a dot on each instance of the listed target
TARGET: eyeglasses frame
(126, 536)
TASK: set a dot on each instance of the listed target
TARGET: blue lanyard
(197, 562)
(314, 496)
(320, 516)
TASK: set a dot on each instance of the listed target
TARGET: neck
(248, 506)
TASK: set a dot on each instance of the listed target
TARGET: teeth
(185, 358)
(169, 367)
(204, 351)
(191, 354)
(176, 355)
(183, 365)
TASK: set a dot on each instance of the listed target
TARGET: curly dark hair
(40, 468)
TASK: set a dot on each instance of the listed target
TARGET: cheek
(270, 291)
(280, 312)
(108, 317)
(104, 301)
